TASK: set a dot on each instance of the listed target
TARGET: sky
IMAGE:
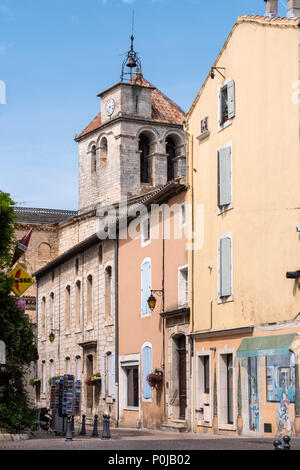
(57, 55)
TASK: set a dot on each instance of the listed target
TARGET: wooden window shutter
(147, 369)
(111, 375)
(225, 267)
(231, 99)
(146, 287)
(224, 176)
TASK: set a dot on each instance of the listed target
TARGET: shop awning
(266, 345)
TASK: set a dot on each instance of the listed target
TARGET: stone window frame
(89, 301)
(199, 385)
(223, 425)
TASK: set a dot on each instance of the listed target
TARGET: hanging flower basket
(155, 378)
(53, 378)
(94, 380)
(35, 382)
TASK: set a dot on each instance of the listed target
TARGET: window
(146, 370)
(225, 269)
(52, 371)
(225, 178)
(132, 374)
(78, 368)
(144, 148)
(183, 214)
(89, 300)
(52, 311)
(183, 285)
(44, 384)
(108, 294)
(44, 253)
(226, 103)
(43, 319)
(206, 373)
(103, 150)
(93, 160)
(226, 390)
(67, 309)
(146, 230)
(280, 383)
(171, 154)
(77, 305)
(68, 366)
(100, 253)
(145, 286)
(76, 266)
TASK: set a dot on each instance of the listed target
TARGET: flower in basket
(53, 379)
(96, 379)
(35, 382)
(155, 378)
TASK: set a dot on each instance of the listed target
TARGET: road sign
(22, 280)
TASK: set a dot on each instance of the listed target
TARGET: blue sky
(57, 55)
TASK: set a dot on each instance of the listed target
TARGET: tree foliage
(15, 330)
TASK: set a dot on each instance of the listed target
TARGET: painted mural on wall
(253, 394)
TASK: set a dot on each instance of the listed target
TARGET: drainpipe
(163, 309)
(116, 247)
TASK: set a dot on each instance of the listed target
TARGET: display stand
(65, 400)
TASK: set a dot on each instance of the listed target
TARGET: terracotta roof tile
(163, 109)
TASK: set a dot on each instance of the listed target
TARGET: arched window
(89, 300)
(103, 150)
(44, 384)
(108, 293)
(171, 152)
(43, 317)
(144, 148)
(52, 311)
(44, 252)
(52, 370)
(77, 304)
(93, 160)
(67, 308)
(78, 368)
(68, 365)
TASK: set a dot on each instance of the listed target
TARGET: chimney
(271, 8)
(293, 8)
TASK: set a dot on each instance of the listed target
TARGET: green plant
(15, 330)
(35, 382)
(53, 378)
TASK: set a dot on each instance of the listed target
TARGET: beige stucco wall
(263, 61)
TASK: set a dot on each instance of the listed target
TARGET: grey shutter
(231, 99)
(225, 267)
(111, 375)
(224, 176)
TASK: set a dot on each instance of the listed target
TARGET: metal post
(69, 428)
(286, 440)
(95, 430)
(83, 430)
(278, 445)
(106, 428)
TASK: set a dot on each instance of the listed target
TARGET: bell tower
(125, 150)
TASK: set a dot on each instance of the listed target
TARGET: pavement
(143, 440)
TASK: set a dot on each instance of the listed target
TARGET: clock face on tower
(110, 107)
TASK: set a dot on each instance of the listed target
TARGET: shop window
(280, 378)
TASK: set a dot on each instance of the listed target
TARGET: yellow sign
(22, 280)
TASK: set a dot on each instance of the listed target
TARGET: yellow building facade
(244, 180)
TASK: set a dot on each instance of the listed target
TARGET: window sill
(222, 209)
(225, 300)
(108, 324)
(77, 331)
(67, 333)
(223, 126)
(89, 328)
(131, 408)
(203, 136)
(204, 424)
(227, 427)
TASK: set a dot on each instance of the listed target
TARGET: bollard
(69, 428)
(83, 430)
(106, 429)
(95, 430)
(278, 445)
(73, 425)
(286, 440)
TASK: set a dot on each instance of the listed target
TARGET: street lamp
(152, 300)
(52, 336)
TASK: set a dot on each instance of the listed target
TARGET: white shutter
(146, 287)
(225, 267)
(224, 176)
(111, 375)
(103, 375)
(231, 99)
